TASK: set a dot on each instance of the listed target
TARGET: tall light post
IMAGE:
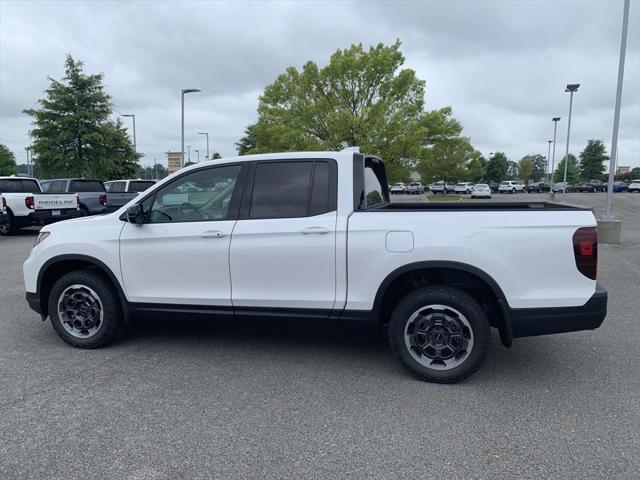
(546, 177)
(207, 134)
(608, 213)
(198, 152)
(188, 155)
(131, 115)
(555, 121)
(184, 92)
(571, 88)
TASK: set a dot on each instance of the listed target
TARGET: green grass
(443, 198)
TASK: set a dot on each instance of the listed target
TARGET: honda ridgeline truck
(23, 204)
(91, 193)
(314, 235)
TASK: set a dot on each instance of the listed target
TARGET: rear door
(283, 245)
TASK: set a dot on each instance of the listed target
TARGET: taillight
(103, 200)
(4, 203)
(585, 251)
(28, 201)
(78, 202)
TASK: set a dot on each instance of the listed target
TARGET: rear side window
(375, 194)
(30, 186)
(281, 190)
(116, 187)
(80, 186)
(138, 186)
(10, 186)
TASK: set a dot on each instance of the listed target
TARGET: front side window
(199, 196)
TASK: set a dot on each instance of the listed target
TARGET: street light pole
(184, 92)
(198, 152)
(207, 134)
(571, 88)
(135, 148)
(546, 177)
(555, 121)
(608, 214)
(189, 154)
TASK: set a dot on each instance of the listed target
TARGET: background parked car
(619, 187)
(634, 186)
(91, 192)
(398, 188)
(464, 188)
(120, 192)
(538, 187)
(511, 186)
(493, 186)
(558, 187)
(591, 186)
(415, 188)
(481, 190)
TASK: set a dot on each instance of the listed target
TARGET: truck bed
(476, 206)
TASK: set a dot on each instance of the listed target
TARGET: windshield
(504, 183)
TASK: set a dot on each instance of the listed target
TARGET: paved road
(177, 399)
(626, 206)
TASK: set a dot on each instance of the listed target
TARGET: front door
(180, 255)
(283, 246)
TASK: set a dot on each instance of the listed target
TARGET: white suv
(510, 186)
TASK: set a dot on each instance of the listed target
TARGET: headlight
(41, 237)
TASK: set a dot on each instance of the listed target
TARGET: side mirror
(135, 214)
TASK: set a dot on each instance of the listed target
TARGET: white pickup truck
(314, 235)
(23, 205)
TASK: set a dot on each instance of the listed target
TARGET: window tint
(199, 196)
(320, 200)
(281, 190)
(30, 186)
(10, 186)
(138, 186)
(116, 187)
(79, 186)
(57, 186)
(374, 193)
(44, 186)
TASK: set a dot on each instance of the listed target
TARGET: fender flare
(506, 333)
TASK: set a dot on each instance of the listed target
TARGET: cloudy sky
(501, 65)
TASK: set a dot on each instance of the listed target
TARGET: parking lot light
(184, 92)
(546, 177)
(571, 88)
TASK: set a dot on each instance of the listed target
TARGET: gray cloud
(501, 65)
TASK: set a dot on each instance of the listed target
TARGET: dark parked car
(620, 187)
(557, 187)
(538, 187)
(591, 186)
(92, 194)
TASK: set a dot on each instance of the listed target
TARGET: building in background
(173, 162)
(623, 170)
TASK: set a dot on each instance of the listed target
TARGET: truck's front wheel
(440, 334)
(85, 309)
(8, 225)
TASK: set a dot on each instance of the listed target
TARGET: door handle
(213, 234)
(315, 230)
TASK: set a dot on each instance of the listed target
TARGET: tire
(461, 312)
(83, 286)
(8, 226)
(84, 212)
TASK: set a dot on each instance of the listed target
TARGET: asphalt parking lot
(183, 399)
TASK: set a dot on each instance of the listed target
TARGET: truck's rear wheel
(440, 334)
(8, 225)
(85, 309)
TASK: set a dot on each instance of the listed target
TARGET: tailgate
(117, 200)
(53, 201)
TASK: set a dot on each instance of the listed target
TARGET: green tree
(215, 156)
(448, 160)
(73, 134)
(539, 166)
(525, 169)
(591, 160)
(573, 174)
(361, 98)
(512, 169)
(497, 167)
(7, 161)
(475, 168)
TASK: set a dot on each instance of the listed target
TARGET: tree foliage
(7, 161)
(573, 174)
(73, 134)
(497, 167)
(591, 160)
(538, 167)
(525, 169)
(361, 98)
